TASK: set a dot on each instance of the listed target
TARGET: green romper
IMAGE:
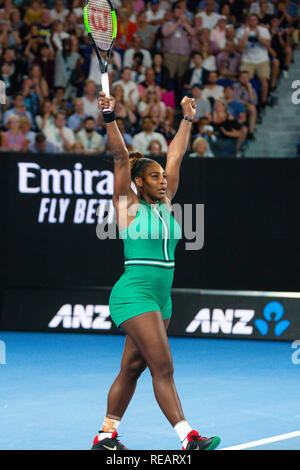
(149, 246)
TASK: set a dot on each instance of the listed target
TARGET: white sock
(183, 428)
(109, 426)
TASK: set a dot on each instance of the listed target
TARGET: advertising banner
(243, 315)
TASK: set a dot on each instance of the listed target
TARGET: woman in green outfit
(140, 302)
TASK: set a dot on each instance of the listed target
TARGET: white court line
(280, 437)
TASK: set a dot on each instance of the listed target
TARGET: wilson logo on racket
(100, 20)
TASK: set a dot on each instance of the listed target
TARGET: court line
(260, 442)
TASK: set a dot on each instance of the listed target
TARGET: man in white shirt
(155, 14)
(59, 134)
(141, 141)
(128, 85)
(91, 140)
(253, 42)
(208, 19)
(90, 101)
(137, 47)
(212, 89)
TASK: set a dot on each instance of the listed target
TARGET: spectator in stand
(59, 12)
(18, 108)
(78, 148)
(18, 63)
(207, 18)
(253, 43)
(76, 120)
(212, 89)
(196, 74)
(228, 61)
(123, 108)
(166, 128)
(236, 109)
(46, 62)
(32, 97)
(13, 139)
(39, 83)
(280, 44)
(154, 149)
(10, 79)
(65, 63)
(58, 35)
(90, 100)
(141, 140)
(204, 129)
(8, 36)
(126, 30)
(32, 42)
(17, 23)
(41, 145)
(201, 148)
(209, 60)
(127, 137)
(46, 116)
(59, 100)
(259, 6)
(150, 99)
(203, 105)
(33, 13)
(136, 47)
(91, 140)
(45, 26)
(155, 15)
(177, 46)
(148, 82)
(246, 94)
(128, 85)
(162, 76)
(59, 134)
(25, 128)
(226, 11)
(227, 131)
(218, 36)
(145, 31)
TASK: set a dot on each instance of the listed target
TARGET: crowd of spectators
(228, 55)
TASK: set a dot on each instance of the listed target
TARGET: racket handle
(105, 88)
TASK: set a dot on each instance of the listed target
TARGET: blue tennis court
(54, 387)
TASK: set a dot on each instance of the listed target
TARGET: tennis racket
(100, 22)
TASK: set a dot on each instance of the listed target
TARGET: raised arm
(178, 146)
(117, 146)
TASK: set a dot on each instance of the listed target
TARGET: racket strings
(100, 23)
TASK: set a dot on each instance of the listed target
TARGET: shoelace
(196, 437)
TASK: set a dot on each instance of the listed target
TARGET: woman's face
(201, 148)
(157, 59)
(219, 107)
(118, 92)
(155, 148)
(154, 182)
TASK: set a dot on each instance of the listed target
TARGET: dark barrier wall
(196, 313)
(48, 230)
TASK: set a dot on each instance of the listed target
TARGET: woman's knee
(134, 368)
(162, 368)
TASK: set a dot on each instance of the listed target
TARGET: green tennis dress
(149, 247)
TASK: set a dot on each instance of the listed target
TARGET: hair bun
(134, 157)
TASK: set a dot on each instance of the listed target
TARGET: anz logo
(273, 313)
(239, 321)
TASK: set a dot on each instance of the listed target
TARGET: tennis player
(140, 301)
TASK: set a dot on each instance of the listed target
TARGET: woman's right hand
(105, 102)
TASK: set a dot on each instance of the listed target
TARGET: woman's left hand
(188, 106)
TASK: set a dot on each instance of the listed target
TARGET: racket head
(100, 23)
